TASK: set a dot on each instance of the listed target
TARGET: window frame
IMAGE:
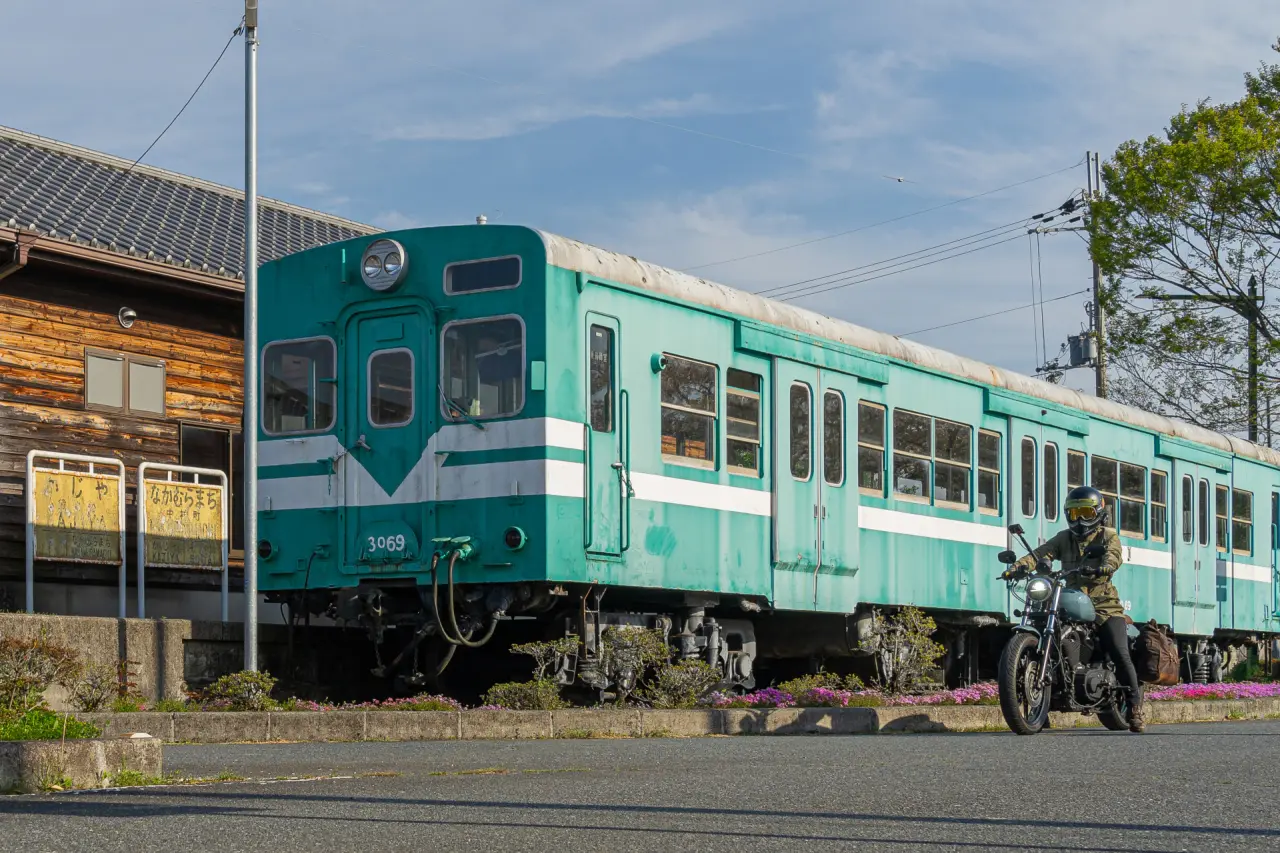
(1247, 551)
(1084, 467)
(612, 384)
(839, 395)
(524, 366)
(882, 447)
(125, 397)
(791, 432)
(1117, 498)
(262, 381)
(951, 463)
(1049, 481)
(1221, 522)
(714, 414)
(1035, 477)
(927, 459)
(413, 388)
(758, 441)
(1187, 509)
(449, 291)
(1161, 535)
(1202, 516)
(999, 475)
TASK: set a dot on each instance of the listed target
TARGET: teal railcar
(461, 426)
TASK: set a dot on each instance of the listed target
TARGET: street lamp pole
(250, 464)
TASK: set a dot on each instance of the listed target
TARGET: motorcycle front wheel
(1023, 700)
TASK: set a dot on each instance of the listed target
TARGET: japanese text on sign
(184, 525)
(77, 516)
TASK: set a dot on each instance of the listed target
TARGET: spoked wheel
(1115, 714)
(1023, 700)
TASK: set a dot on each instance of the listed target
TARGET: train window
(1050, 482)
(1075, 469)
(298, 391)
(391, 388)
(1188, 511)
(689, 412)
(911, 454)
(953, 454)
(1203, 514)
(482, 365)
(1241, 522)
(833, 438)
(989, 472)
(1221, 527)
(477, 276)
(742, 401)
(1133, 499)
(871, 448)
(1029, 477)
(1159, 505)
(1104, 476)
(801, 454)
(600, 343)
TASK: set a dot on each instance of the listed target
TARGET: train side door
(797, 477)
(1026, 447)
(1273, 608)
(606, 472)
(1194, 551)
(833, 587)
(388, 416)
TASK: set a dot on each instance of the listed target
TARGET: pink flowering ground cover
(1238, 690)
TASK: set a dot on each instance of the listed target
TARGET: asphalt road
(1175, 788)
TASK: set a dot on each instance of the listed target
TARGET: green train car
(466, 428)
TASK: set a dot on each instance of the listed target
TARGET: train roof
(625, 269)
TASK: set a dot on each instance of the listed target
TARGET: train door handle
(360, 442)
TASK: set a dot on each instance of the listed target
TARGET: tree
(1186, 222)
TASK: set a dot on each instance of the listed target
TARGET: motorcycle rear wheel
(1023, 701)
(1115, 714)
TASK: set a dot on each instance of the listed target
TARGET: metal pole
(1253, 359)
(250, 464)
(1099, 315)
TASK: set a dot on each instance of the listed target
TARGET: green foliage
(171, 706)
(829, 680)
(95, 689)
(241, 691)
(29, 667)
(546, 653)
(541, 694)
(628, 654)
(128, 705)
(43, 724)
(907, 652)
(680, 685)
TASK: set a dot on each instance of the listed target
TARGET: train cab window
(600, 345)
(742, 400)
(689, 412)
(833, 438)
(477, 276)
(1241, 522)
(1029, 477)
(391, 388)
(1075, 469)
(1050, 482)
(1222, 525)
(871, 448)
(801, 404)
(953, 462)
(911, 454)
(1188, 510)
(298, 391)
(989, 472)
(1159, 505)
(482, 365)
(1202, 496)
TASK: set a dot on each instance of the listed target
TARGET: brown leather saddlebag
(1155, 655)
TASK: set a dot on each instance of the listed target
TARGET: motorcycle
(1055, 659)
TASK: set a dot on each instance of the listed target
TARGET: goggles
(1082, 513)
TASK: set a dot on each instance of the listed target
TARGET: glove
(1091, 571)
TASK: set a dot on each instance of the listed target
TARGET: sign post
(182, 524)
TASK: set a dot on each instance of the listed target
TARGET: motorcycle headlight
(1038, 589)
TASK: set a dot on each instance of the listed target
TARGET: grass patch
(561, 770)
(480, 771)
(40, 724)
(379, 774)
(658, 732)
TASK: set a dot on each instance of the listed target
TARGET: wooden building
(121, 293)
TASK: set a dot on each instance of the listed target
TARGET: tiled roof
(148, 213)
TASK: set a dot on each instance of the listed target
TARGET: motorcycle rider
(1090, 551)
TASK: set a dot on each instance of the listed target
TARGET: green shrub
(546, 653)
(43, 724)
(628, 654)
(30, 667)
(680, 685)
(95, 689)
(129, 705)
(171, 706)
(907, 652)
(541, 694)
(241, 691)
(829, 680)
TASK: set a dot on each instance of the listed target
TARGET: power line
(881, 222)
(987, 316)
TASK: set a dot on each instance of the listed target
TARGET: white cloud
(395, 220)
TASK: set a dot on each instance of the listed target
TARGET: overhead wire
(987, 316)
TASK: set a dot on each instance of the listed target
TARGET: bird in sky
(899, 180)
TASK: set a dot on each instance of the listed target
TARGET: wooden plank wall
(47, 319)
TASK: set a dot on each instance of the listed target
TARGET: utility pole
(250, 464)
(1252, 306)
(1093, 178)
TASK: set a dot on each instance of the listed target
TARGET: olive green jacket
(1069, 550)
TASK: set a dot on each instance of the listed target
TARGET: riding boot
(1137, 714)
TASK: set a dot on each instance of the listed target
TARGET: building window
(1075, 469)
(1203, 515)
(391, 388)
(1221, 527)
(477, 276)
(1241, 522)
(482, 363)
(871, 448)
(298, 388)
(833, 438)
(1159, 505)
(1124, 489)
(600, 343)
(1050, 482)
(117, 382)
(222, 450)
(911, 454)
(954, 460)
(689, 412)
(1029, 477)
(1188, 510)
(989, 472)
(742, 401)
(801, 452)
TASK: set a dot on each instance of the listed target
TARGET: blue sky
(558, 115)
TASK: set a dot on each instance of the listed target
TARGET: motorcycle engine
(1092, 683)
(1070, 642)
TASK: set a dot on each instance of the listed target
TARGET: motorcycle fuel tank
(1076, 606)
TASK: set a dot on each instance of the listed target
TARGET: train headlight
(514, 538)
(383, 265)
(1038, 589)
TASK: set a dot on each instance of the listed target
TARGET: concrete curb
(332, 726)
(29, 766)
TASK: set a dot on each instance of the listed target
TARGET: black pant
(1114, 634)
